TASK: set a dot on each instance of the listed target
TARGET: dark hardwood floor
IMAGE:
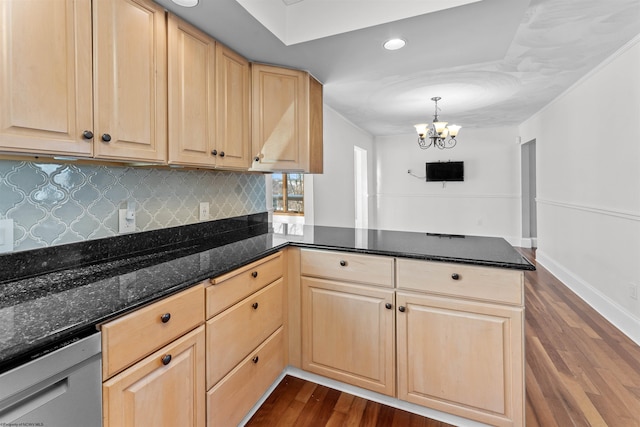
(580, 371)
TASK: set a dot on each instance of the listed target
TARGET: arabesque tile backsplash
(53, 204)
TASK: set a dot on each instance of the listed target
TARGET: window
(288, 193)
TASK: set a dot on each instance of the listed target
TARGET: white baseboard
(626, 322)
(524, 243)
(365, 394)
(383, 399)
(262, 399)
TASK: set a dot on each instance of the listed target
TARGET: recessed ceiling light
(186, 3)
(394, 44)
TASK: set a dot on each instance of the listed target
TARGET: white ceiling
(493, 62)
(297, 21)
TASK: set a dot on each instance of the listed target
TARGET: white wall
(334, 190)
(588, 162)
(487, 202)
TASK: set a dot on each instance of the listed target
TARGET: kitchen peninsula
(468, 284)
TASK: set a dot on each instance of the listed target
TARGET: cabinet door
(348, 333)
(280, 111)
(192, 120)
(130, 77)
(233, 99)
(461, 357)
(151, 393)
(45, 76)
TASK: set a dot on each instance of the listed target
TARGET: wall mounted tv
(445, 171)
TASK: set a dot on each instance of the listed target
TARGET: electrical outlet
(126, 225)
(633, 291)
(204, 211)
(6, 235)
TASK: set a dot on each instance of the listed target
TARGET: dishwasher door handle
(33, 398)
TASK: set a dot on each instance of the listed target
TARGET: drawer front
(234, 333)
(230, 400)
(232, 287)
(157, 392)
(370, 269)
(478, 283)
(135, 335)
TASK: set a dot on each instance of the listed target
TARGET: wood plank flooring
(580, 371)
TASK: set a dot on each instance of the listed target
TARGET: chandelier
(437, 132)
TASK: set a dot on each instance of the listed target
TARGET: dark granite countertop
(50, 297)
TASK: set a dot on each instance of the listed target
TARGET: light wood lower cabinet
(166, 389)
(245, 338)
(162, 347)
(239, 329)
(455, 334)
(348, 333)
(231, 398)
(461, 357)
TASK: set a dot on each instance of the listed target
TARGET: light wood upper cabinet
(192, 118)
(46, 76)
(286, 120)
(208, 101)
(233, 98)
(55, 84)
(130, 72)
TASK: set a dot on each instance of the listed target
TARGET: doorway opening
(361, 187)
(529, 206)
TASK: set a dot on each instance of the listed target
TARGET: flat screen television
(445, 171)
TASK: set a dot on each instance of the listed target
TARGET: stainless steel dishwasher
(59, 389)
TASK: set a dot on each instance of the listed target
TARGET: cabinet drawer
(133, 336)
(479, 283)
(230, 400)
(157, 392)
(232, 287)
(369, 269)
(234, 333)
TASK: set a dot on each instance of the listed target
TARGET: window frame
(285, 197)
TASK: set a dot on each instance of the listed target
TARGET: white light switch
(6, 235)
